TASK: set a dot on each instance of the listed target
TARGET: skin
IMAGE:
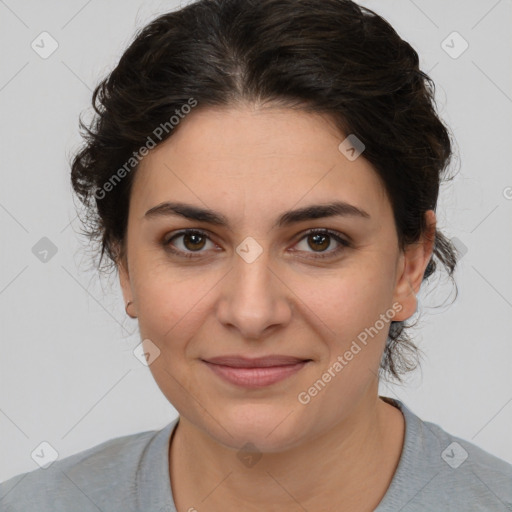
(251, 164)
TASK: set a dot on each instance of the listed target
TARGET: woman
(264, 176)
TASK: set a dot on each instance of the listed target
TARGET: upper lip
(258, 362)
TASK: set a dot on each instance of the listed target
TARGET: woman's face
(258, 284)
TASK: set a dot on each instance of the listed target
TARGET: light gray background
(68, 375)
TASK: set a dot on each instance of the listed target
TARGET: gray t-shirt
(436, 472)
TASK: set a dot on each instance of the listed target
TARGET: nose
(254, 299)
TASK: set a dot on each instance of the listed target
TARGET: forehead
(255, 160)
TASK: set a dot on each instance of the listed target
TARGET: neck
(352, 462)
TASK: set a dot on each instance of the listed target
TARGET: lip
(255, 372)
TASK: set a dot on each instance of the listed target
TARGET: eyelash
(329, 254)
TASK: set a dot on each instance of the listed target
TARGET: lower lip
(255, 377)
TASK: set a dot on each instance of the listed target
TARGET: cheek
(171, 312)
(170, 305)
(173, 302)
(357, 311)
(351, 298)
(355, 305)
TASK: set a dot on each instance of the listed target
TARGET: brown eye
(319, 240)
(192, 241)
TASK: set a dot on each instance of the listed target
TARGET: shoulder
(459, 453)
(88, 480)
(465, 474)
(440, 470)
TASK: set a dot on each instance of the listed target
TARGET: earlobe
(413, 262)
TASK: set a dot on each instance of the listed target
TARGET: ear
(411, 267)
(124, 278)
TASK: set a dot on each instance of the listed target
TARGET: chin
(271, 428)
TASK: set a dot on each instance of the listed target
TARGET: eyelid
(187, 231)
(339, 237)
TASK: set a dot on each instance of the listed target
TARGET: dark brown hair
(325, 56)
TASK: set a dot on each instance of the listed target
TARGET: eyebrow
(317, 211)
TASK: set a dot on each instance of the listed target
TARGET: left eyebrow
(317, 211)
